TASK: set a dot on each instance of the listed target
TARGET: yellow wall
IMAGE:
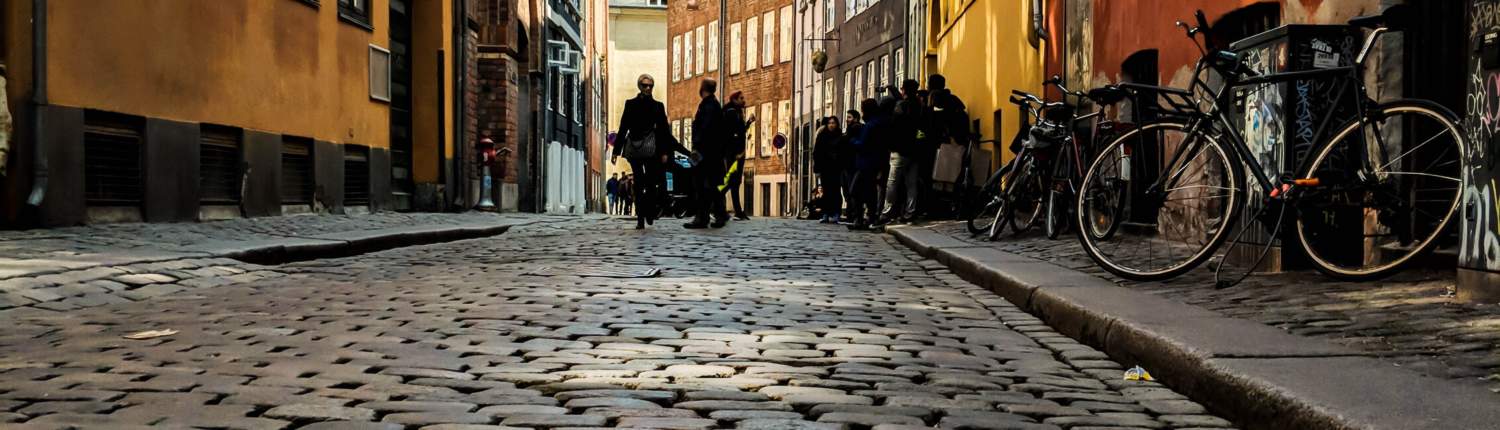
(431, 32)
(984, 51)
(280, 66)
(637, 45)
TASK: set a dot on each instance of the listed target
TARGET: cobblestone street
(1411, 320)
(766, 324)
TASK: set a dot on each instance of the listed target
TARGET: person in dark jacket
(903, 186)
(872, 152)
(853, 127)
(612, 194)
(826, 166)
(645, 117)
(735, 126)
(709, 140)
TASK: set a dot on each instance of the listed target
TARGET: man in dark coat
(735, 126)
(709, 140)
(826, 166)
(903, 187)
(854, 127)
(872, 153)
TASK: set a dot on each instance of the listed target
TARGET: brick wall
(760, 85)
(498, 98)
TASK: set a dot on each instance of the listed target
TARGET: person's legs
(641, 191)
(846, 180)
(736, 179)
(894, 187)
(832, 196)
(914, 192)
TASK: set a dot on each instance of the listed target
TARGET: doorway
(402, 185)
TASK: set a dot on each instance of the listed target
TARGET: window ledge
(356, 20)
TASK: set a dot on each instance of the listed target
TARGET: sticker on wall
(1323, 55)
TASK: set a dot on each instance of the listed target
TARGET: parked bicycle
(1015, 194)
(1075, 151)
(1378, 192)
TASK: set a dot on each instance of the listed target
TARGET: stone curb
(1259, 376)
(278, 250)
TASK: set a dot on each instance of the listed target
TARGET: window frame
(714, 46)
(785, 33)
(768, 39)
(374, 49)
(676, 58)
(352, 14)
(752, 43)
(736, 35)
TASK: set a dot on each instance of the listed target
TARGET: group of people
(892, 143)
(717, 154)
(620, 198)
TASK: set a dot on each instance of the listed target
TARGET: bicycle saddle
(1393, 18)
(1108, 95)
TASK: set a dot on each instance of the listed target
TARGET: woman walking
(647, 141)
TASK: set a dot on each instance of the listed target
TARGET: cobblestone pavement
(768, 324)
(78, 267)
(1411, 319)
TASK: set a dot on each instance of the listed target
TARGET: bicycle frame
(1216, 123)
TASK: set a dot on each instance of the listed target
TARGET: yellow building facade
(986, 48)
(182, 110)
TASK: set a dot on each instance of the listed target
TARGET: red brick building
(753, 54)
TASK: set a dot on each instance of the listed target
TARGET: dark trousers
(736, 177)
(848, 183)
(648, 187)
(709, 174)
(833, 196)
(864, 200)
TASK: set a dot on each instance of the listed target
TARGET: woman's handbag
(644, 147)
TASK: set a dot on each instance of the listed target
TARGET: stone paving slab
(753, 326)
(71, 268)
(1252, 371)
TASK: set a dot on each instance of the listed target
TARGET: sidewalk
(1325, 352)
(75, 267)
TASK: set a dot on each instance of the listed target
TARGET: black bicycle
(1366, 201)
(1016, 193)
(1078, 136)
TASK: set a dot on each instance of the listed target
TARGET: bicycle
(1075, 150)
(1384, 186)
(1018, 187)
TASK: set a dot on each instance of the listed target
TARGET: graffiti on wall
(1479, 246)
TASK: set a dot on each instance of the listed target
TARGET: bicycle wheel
(982, 219)
(1028, 197)
(1175, 223)
(1387, 190)
(1057, 194)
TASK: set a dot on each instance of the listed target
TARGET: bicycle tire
(1385, 111)
(1029, 186)
(1236, 176)
(1057, 211)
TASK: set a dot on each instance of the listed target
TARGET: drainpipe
(38, 100)
(460, 83)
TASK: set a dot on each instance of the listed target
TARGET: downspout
(460, 82)
(38, 100)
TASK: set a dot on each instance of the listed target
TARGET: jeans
(906, 175)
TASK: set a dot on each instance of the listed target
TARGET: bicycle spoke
(1404, 154)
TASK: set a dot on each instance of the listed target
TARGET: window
(849, 102)
(714, 47)
(901, 64)
(662, 3)
(818, 97)
(752, 43)
(380, 73)
(676, 58)
(872, 81)
(296, 170)
(859, 84)
(828, 97)
(356, 176)
(768, 40)
(764, 120)
(689, 68)
(356, 12)
(580, 99)
(786, 34)
(734, 48)
(219, 164)
(851, 7)
(827, 16)
(752, 137)
(698, 36)
(784, 118)
(885, 71)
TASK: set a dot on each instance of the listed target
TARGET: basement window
(296, 170)
(219, 165)
(112, 159)
(356, 175)
(356, 12)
